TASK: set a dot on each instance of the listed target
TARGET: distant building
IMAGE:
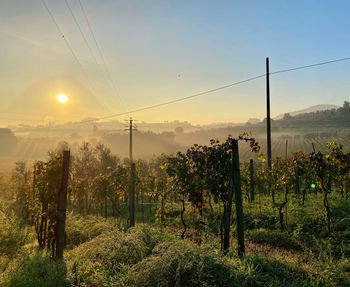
(8, 141)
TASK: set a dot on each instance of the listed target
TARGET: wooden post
(61, 206)
(132, 197)
(268, 118)
(238, 197)
(227, 217)
(286, 206)
(252, 183)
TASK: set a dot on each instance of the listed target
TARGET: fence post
(227, 217)
(252, 183)
(62, 206)
(132, 197)
(238, 197)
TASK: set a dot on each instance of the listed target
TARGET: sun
(62, 98)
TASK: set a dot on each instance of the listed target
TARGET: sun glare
(62, 98)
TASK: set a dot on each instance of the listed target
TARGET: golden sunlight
(62, 98)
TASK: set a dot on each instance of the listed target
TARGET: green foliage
(39, 270)
(12, 234)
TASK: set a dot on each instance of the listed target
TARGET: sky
(149, 52)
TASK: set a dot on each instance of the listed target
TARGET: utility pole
(268, 118)
(130, 142)
(131, 128)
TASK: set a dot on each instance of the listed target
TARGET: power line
(81, 31)
(206, 92)
(224, 87)
(106, 67)
(83, 35)
(61, 32)
(90, 87)
(310, 66)
(183, 99)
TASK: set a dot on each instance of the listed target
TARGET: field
(296, 219)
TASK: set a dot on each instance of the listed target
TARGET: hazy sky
(161, 50)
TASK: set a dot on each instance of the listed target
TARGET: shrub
(109, 254)
(181, 264)
(80, 229)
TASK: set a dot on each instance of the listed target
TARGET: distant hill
(309, 110)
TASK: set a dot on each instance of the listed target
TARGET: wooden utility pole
(252, 183)
(130, 141)
(238, 197)
(132, 197)
(62, 206)
(131, 128)
(268, 118)
(286, 155)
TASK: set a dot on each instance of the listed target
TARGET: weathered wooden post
(132, 197)
(62, 206)
(234, 187)
(238, 197)
(227, 217)
(252, 183)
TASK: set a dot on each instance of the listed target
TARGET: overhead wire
(82, 34)
(101, 54)
(205, 92)
(88, 83)
(222, 88)
(81, 31)
(310, 66)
